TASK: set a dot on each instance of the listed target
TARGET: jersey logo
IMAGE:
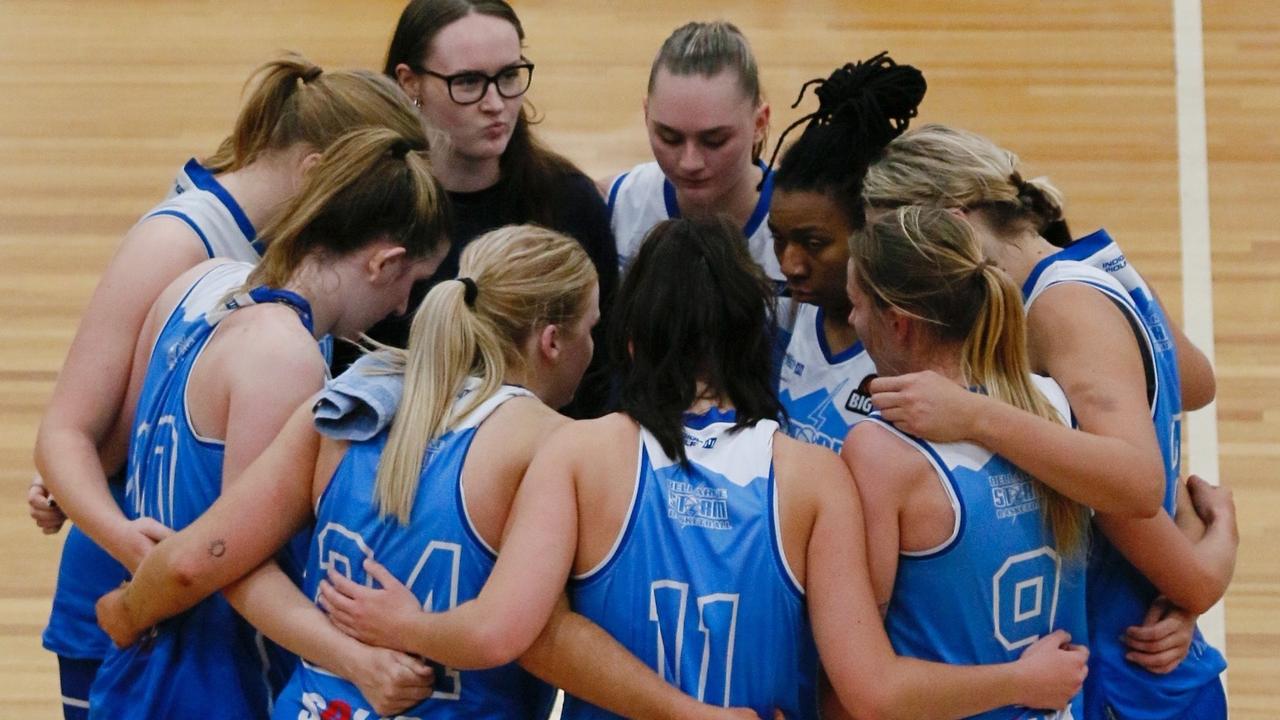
(699, 505)
(1013, 494)
(859, 400)
(1115, 264)
(793, 365)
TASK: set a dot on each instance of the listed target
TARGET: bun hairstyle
(926, 263)
(947, 167)
(862, 107)
(294, 101)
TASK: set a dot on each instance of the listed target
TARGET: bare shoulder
(1077, 308)
(804, 470)
(882, 460)
(271, 344)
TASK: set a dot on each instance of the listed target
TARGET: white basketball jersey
(199, 200)
(643, 197)
(824, 393)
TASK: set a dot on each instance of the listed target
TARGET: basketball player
(707, 123)
(226, 353)
(956, 521)
(824, 370)
(294, 111)
(1095, 327)
(524, 307)
(702, 538)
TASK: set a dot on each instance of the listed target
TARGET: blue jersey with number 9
(998, 583)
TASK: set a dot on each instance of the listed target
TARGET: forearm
(1193, 575)
(579, 657)
(953, 691)
(72, 470)
(1105, 473)
(272, 603)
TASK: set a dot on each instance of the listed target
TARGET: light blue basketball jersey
(438, 555)
(697, 586)
(207, 662)
(998, 583)
(825, 394)
(1118, 594)
(643, 197)
(86, 572)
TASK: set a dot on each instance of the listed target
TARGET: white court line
(1197, 268)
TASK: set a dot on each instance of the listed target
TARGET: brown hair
(294, 101)
(370, 184)
(531, 170)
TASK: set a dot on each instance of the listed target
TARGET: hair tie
(470, 291)
(982, 266)
(311, 73)
(400, 148)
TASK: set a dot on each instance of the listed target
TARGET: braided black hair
(861, 108)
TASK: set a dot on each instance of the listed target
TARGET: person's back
(174, 474)
(1119, 594)
(1008, 581)
(699, 556)
(440, 555)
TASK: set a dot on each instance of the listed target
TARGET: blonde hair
(525, 277)
(370, 184)
(941, 166)
(294, 101)
(926, 264)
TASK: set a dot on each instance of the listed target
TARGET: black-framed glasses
(467, 88)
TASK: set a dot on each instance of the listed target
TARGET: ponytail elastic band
(400, 148)
(470, 291)
(311, 73)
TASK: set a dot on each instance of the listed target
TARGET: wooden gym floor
(100, 102)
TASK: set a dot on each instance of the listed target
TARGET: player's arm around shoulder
(1080, 338)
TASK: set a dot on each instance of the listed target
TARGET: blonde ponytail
(926, 263)
(525, 278)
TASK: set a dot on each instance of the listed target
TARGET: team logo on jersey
(699, 505)
(1115, 264)
(1013, 493)
(793, 365)
(859, 400)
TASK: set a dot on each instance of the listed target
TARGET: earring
(417, 102)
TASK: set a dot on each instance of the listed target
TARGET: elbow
(182, 572)
(492, 644)
(1199, 394)
(1201, 592)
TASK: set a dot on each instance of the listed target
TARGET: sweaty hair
(861, 107)
(532, 172)
(926, 264)
(694, 307)
(525, 278)
(294, 101)
(706, 49)
(369, 185)
(945, 167)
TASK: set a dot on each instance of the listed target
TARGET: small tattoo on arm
(218, 548)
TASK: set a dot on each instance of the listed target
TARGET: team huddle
(856, 428)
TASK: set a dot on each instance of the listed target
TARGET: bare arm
(1112, 463)
(249, 522)
(89, 398)
(579, 657)
(1195, 372)
(513, 607)
(1193, 572)
(869, 678)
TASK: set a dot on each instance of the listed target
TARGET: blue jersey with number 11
(697, 586)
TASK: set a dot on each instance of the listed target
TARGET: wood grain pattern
(103, 101)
